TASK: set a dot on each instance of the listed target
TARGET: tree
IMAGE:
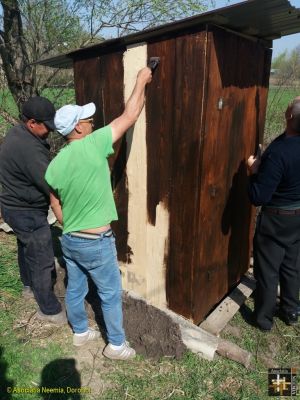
(33, 29)
(14, 54)
(120, 17)
(287, 66)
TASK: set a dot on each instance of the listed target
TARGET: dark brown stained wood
(160, 125)
(100, 79)
(189, 72)
(205, 112)
(88, 86)
(235, 107)
(261, 109)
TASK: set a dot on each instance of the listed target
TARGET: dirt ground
(86, 361)
(152, 333)
(148, 330)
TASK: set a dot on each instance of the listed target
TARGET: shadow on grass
(5, 384)
(60, 380)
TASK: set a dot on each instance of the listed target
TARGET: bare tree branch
(33, 29)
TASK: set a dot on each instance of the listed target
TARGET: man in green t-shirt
(82, 200)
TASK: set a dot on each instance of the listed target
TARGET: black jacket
(24, 159)
(277, 183)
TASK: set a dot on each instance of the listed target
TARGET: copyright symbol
(8, 390)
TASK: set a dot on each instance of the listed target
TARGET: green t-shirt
(80, 176)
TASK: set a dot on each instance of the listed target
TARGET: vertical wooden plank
(88, 85)
(112, 95)
(135, 274)
(189, 83)
(231, 130)
(160, 122)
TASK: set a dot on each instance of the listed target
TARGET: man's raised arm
(133, 107)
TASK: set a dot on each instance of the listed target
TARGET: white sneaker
(123, 353)
(89, 336)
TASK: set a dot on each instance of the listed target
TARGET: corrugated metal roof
(262, 19)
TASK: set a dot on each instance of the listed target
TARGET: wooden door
(235, 105)
(188, 74)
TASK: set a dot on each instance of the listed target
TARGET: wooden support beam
(234, 352)
(219, 318)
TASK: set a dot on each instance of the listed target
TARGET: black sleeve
(263, 185)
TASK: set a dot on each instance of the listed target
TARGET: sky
(279, 45)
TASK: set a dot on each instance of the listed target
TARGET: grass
(189, 378)
(194, 378)
(33, 357)
(26, 354)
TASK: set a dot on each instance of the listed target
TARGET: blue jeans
(98, 259)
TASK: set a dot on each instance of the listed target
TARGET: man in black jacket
(275, 185)
(24, 158)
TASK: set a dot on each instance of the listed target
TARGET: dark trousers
(35, 254)
(276, 250)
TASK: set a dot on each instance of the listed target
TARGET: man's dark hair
(295, 111)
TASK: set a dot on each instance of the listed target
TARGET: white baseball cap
(68, 116)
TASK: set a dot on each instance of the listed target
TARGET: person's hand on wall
(253, 161)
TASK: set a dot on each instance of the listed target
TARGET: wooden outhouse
(179, 176)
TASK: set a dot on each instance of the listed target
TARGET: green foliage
(285, 86)
(9, 111)
(280, 60)
(58, 96)
(287, 67)
(278, 100)
(50, 26)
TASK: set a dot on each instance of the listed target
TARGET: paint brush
(153, 63)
